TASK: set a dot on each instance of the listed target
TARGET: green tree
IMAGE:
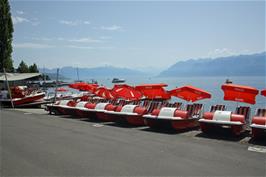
(6, 35)
(23, 67)
(33, 68)
(45, 77)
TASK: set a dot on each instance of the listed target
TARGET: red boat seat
(259, 120)
(81, 104)
(223, 117)
(173, 113)
(63, 102)
(71, 103)
(170, 113)
(90, 105)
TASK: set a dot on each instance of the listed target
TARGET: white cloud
(60, 39)
(85, 40)
(220, 52)
(106, 47)
(20, 12)
(88, 47)
(112, 28)
(17, 20)
(79, 40)
(35, 21)
(79, 47)
(29, 45)
(105, 37)
(66, 22)
(42, 38)
(86, 22)
(74, 23)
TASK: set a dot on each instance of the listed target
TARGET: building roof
(18, 76)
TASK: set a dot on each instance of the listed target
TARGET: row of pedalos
(162, 114)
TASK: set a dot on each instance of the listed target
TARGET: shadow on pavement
(222, 134)
(261, 141)
(121, 125)
(160, 130)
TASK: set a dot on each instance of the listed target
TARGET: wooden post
(56, 84)
(78, 74)
(44, 80)
(8, 88)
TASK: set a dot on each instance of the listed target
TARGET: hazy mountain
(90, 73)
(241, 65)
(52, 76)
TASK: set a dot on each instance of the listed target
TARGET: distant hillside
(89, 73)
(52, 76)
(242, 65)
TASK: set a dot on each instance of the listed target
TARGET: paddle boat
(86, 109)
(21, 95)
(92, 108)
(54, 108)
(174, 117)
(70, 106)
(132, 113)
(154, 95)
(101, 110)
(238, 120)
(258, 123)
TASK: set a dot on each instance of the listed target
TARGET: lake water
(210, 84)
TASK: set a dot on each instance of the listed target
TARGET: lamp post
(8, 88)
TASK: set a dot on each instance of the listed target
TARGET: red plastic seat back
(194, 109)
(261, 112)
(217, 107)
(72, 103)
(245, 111)
(153, 105)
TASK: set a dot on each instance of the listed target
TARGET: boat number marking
(257, 149)
(27, 113)
(98, 125)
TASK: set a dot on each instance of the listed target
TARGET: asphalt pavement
(36, 144)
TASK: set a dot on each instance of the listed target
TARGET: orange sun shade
(104, 93)
(263, 92)
(190, 93)
(61, 89)
(153, 91)
(239, 93)
(84, 86)
(126, 92)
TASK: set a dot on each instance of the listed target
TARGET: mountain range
(241, 65)
(89, 73)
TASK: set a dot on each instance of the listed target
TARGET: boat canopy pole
(8, 88)
(78, 74)
(56, 84)
(44, 79)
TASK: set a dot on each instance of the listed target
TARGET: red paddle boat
(174, 117)
(258, 123)
(236, 121)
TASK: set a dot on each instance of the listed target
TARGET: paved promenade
(36, 144)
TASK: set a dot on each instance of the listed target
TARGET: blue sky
(134, 34)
